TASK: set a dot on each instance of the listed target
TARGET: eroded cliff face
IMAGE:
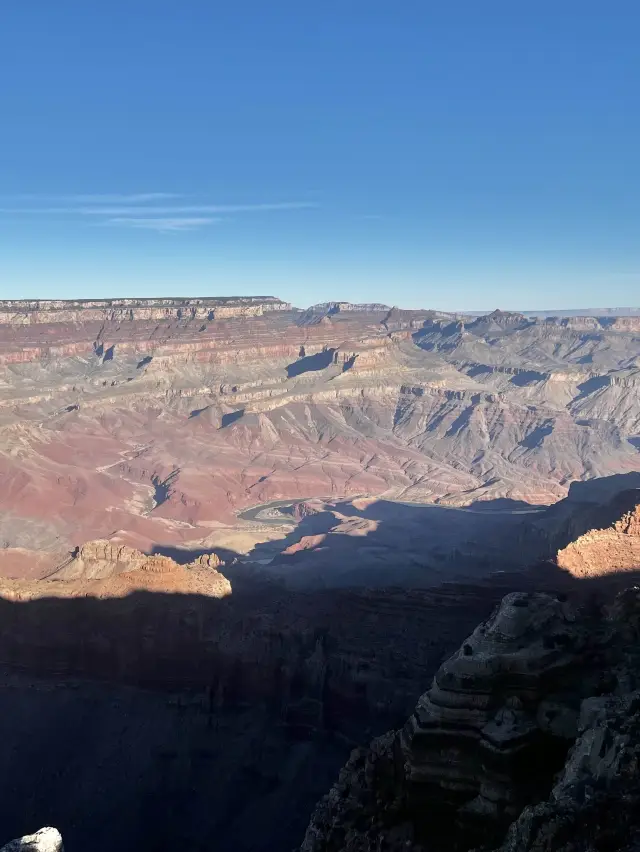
(27, 312)
(223, 716)
(527, 741)
(164, 418)
(109, 569)
(611, 547)
(530, 729)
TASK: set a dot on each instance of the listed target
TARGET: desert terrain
(160, 423)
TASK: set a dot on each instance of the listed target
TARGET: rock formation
(608, 549)
(46, 840)
(98, 559)
(164, 418)
(529, 732)
(104, 569)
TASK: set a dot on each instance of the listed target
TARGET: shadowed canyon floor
(239, 539)
(226, 710)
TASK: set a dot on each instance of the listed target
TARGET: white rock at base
(46, 840)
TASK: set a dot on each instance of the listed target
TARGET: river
(253, 513)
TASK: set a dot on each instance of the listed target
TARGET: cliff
(612, 546)
(165, 418)
(105, 569)
(527, 741)
(529, 737)
(27, 312)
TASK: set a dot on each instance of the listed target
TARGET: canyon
(166, 705)
(240, 539)
(156, 422)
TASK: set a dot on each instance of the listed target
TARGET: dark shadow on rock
(591, 385)
(311, 363)
(460, 423)
(504, 504)
(197, 411)
(527, 377)
(163, 487)
(231, 417)
(407, 544)
(311, 525)
(161, 720)
(169, 719)
(416, 545)
(536, 437)
(479, 370)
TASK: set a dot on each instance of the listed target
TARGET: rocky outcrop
(607, 549)
(27, 312)
(103, 558)
(626, 324)
(46, 840)
(595, 801)
(349, 307)
(531, 729)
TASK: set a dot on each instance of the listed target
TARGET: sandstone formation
(607, 549)
(23, 312)
(98, 559)
(531, 728)
(45, 840)
(104, 569)
(165, 418)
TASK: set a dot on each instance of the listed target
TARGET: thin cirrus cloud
(126, 210)
(162, 225)
(98, 198)
(122, 210)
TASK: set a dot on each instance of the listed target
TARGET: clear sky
(462, 154)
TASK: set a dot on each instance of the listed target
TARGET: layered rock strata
(104, 569)
(610, 549)
(532, 724)
(347, 660)
(165, 418)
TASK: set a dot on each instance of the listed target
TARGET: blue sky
(459, 154)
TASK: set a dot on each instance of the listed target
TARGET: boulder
(46, 840)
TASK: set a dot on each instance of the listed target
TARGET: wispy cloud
(95, 198)
(197, 208)
(142, 210)
(161, 225)
(122, 210)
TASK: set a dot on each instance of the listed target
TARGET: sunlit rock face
(613, 546)
(162, 419)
